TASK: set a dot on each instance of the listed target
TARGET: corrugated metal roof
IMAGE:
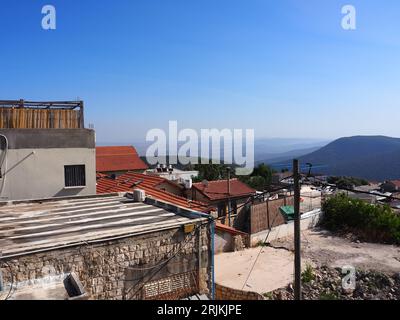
(121, 158)
(31, 226)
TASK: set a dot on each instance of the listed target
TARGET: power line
(259, 253)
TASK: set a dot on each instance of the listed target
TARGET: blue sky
(285, 68)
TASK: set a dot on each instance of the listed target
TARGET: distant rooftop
(26, 227)
(131, 180)
(218, 190)
(119, 158)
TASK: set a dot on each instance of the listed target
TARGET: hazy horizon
(285, 69)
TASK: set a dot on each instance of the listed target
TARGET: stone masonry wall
(102, 267)
(226, 293)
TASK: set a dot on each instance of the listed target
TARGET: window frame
(79, 179)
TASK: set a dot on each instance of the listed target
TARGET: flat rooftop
(30, 226)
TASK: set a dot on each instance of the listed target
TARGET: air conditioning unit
(139, 195)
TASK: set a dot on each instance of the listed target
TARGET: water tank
(188, 183)
(139, 195)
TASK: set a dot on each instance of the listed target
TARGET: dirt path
(274, 267)
(322, 248)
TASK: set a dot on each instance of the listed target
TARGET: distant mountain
(369, 157)
(277, 147)
(284, 156)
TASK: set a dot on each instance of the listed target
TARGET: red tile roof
(225, 228)
(118, 159)
(217, 190)
(396, 183)
(131, 180)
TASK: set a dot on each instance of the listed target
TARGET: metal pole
(297, 245)
(82, 115)
(229, 195)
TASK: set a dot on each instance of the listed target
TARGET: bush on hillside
(375, 223)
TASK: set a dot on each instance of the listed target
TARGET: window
(234, 206)
(221, 210)
(75, 176)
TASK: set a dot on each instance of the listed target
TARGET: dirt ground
(322, 248)
(274, 267)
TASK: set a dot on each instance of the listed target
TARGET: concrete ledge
(49, 138)
(29, 201)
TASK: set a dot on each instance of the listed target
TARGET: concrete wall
(49, 138)
(35, 160)
(227, 242)
(224, 242)
(308, 220)
(105, 269)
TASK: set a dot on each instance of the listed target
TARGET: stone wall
(102, 268)
(226, 293)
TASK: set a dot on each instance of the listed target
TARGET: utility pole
(297, 245)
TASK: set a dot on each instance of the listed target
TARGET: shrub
(328, 296)
(268, 295)
(376, 223)
(308, 274)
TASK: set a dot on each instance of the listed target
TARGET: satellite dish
(205, 183)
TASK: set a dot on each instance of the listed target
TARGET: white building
(173, 174)
(43, 154)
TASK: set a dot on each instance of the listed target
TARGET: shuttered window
(75, 176)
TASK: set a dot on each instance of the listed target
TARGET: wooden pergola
(45, 114)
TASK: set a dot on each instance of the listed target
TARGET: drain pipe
(212, 236)
(212, 227)
(1, 277)
(1, 281)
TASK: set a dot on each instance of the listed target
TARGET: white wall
(308, 220)
(39, 173)
(223, 242)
